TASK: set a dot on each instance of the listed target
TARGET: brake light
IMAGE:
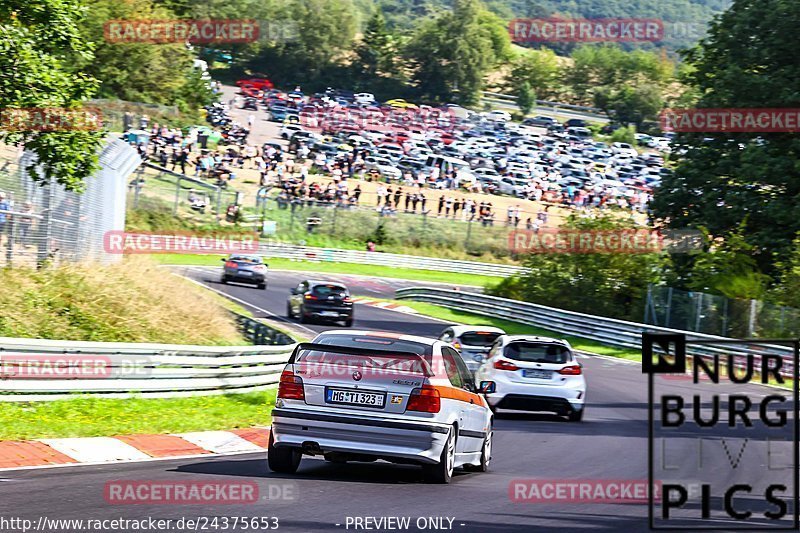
(425, 399)
(501, 364)
(456, 345)
(231, 264)
(347, 299)
(572, 370)
(291, 386)
(311, 297)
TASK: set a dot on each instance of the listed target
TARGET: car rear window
(329, 290)
(377, 342)
(537, 352)
(479, 338)
(246, 259)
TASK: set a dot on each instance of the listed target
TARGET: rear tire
(576, 416)
(223, 280)
(442, 472)
(348, 323)
(282, 460)
(289, 310)
(262, 286)
(303, 317)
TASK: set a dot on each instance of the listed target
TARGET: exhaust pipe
(311, 448)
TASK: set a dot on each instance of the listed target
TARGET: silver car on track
(365, 395)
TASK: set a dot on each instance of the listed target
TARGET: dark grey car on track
(244, 268)
(320, 300)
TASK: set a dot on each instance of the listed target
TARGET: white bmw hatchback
(534, 374)
(364, 396)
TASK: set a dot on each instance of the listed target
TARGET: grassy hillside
(133, 301)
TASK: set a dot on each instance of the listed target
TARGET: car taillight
(291, 386)
(425, 399)
(311, 297)
(573, 370)
(505, 365)
(231, 264)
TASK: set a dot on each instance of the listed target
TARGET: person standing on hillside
(441, 206)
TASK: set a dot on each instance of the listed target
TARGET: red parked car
(257, 83)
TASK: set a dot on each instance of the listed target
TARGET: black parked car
(244, 268)
(320, 300)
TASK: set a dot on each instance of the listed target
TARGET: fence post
(751, 323)
(46, 226)
(669, 307)
(469, 233)
(698, 313)
(177, 196)
(10, 239)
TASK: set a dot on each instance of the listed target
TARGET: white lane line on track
(248, 304)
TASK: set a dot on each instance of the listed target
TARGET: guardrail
(308, 253)
(40, 370)
(261, 334)
(608, 331)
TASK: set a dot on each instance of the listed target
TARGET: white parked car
(498, 116)
(624, 149)
(473, 342)
(384, 167)
(365, 395)
(364, 98)
(287, 130)
(535, 374)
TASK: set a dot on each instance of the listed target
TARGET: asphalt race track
(610, 444)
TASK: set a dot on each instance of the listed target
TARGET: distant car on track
(473, 342)
(244, 268)
(366, 395)
(535, 374)
(320, 300)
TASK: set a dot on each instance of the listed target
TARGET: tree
(40, 40)
(526, 98)
(325, 32)
(539, 69)
(376, 53)
(452, 53)
(606, 284)
(630, 105)
(723, 179)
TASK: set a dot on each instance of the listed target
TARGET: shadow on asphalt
(317, 469)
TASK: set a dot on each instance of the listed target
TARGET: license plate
(329, 313)
(352, 397)
(245, 273)
(541, 374)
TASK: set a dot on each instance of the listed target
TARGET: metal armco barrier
(608, 331)
(308, 253)
(261, 334)
(40, 370)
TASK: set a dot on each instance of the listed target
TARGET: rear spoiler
(347, 350)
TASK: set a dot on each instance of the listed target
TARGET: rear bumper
(255, 278)
(382, 437)
(531, 397)
(320, 312)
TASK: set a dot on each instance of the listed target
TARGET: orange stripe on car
(453, 393)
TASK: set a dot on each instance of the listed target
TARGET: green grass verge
(94, 417)
(342, 268)
(516, 328)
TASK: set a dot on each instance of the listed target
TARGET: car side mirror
(488, 387)
(293, 290)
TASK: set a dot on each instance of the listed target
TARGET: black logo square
(673, 344)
